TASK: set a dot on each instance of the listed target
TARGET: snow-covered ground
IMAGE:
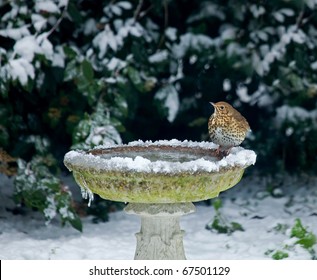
(267, 221)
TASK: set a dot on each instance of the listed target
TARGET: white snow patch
(38, 21)
(158, 57)
(294, 114)
(20, 69)
(226, 85)
(50, 210)
(257, 10)
(27, 47)
(47, 6)
(242, 92)
(169, 96)
(115, 63)
(171, 33)
(191, 41)
(26, 237)
(59, 57)
(313, 65)
(90, 26)
(15, 33)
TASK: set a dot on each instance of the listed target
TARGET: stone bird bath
(159, 180)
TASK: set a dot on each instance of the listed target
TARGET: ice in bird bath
(160, 180)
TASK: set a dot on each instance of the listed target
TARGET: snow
(137, 163)
(311, 3)
(242, 92)
(207, 10)
(294, 114)
(228, 32)
(158, 57)
(62, 3)
(257, 10)
(190, 41)
(108, 38)
(249, 204)
(59, 57)
(38, 21)
(27, 47)
(125, 5)
(226, 86)
(278, 50)
(313, 65)
(169, 96)
(90, 26)
(103, 40)
(171, 33)
(20, 69)
(116, 63)
(47, 6)
(15, 33)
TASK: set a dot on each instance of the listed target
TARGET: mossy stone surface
(157, 188)
(184, 180)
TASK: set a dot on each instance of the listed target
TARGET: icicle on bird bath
(86, 193)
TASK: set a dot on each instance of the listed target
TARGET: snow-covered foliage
(76, 74)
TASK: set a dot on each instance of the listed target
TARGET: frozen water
(161, 161)
(86, 193)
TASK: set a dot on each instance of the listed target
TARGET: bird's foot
(220, 154)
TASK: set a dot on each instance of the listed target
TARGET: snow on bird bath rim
(238, 157)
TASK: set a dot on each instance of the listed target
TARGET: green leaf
(217, 203)
(236, 226)
(87, 70)
(71, 71)
(197, 122)
(279, 255)
(4, 136)
(135, 78)
(82, 131)
(307, 241)
(298, 230)
(4, 89)
(74, 13)
(76, 223)
(70, 52)
(218, 226)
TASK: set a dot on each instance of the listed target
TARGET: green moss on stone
(157, 188)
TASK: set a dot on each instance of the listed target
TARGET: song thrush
(226, 127)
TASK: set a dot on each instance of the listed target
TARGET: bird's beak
(213, 104)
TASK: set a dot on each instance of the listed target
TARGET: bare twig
(300, 18)
(162, 39)
(57, 23)
(138, 10)
(144, 13)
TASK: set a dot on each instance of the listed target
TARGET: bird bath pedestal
(160, 181)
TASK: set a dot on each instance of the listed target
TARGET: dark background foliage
(76, 74)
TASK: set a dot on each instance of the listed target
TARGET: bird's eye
(222, 107)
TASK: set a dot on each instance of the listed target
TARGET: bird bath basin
(160, 180)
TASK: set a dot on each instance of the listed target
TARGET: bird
(226, 127)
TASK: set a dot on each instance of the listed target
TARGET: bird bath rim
(136, 157)
(140, 180)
